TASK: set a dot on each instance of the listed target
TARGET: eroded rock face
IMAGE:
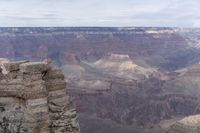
(189, 124)
(33, 100)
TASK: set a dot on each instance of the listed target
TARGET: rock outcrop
(189, 124)
(33, 99)
(122, 66)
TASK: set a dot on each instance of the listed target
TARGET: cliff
(165, 48)
(33, 99)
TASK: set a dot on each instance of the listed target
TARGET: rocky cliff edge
(33, 99)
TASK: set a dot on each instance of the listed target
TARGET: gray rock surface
(190, 124)
(33, 100)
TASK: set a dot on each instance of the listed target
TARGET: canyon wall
(117, 77)
(33, 99)
(165, 48)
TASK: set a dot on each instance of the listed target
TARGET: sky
(122, 13)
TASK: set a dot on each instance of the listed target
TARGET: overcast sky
(173, 13)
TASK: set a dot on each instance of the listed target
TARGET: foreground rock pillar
(33, 99)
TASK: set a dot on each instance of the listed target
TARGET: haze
(171, 13)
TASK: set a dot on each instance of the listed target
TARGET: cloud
(176, 13)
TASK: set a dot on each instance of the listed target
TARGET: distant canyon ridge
(122, 80)
(165, 48)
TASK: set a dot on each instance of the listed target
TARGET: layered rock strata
(189, 124)
(33, 99)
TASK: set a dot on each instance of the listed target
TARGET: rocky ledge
(190, 124)
(33, 99)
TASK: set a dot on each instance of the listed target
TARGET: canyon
(121, 80)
